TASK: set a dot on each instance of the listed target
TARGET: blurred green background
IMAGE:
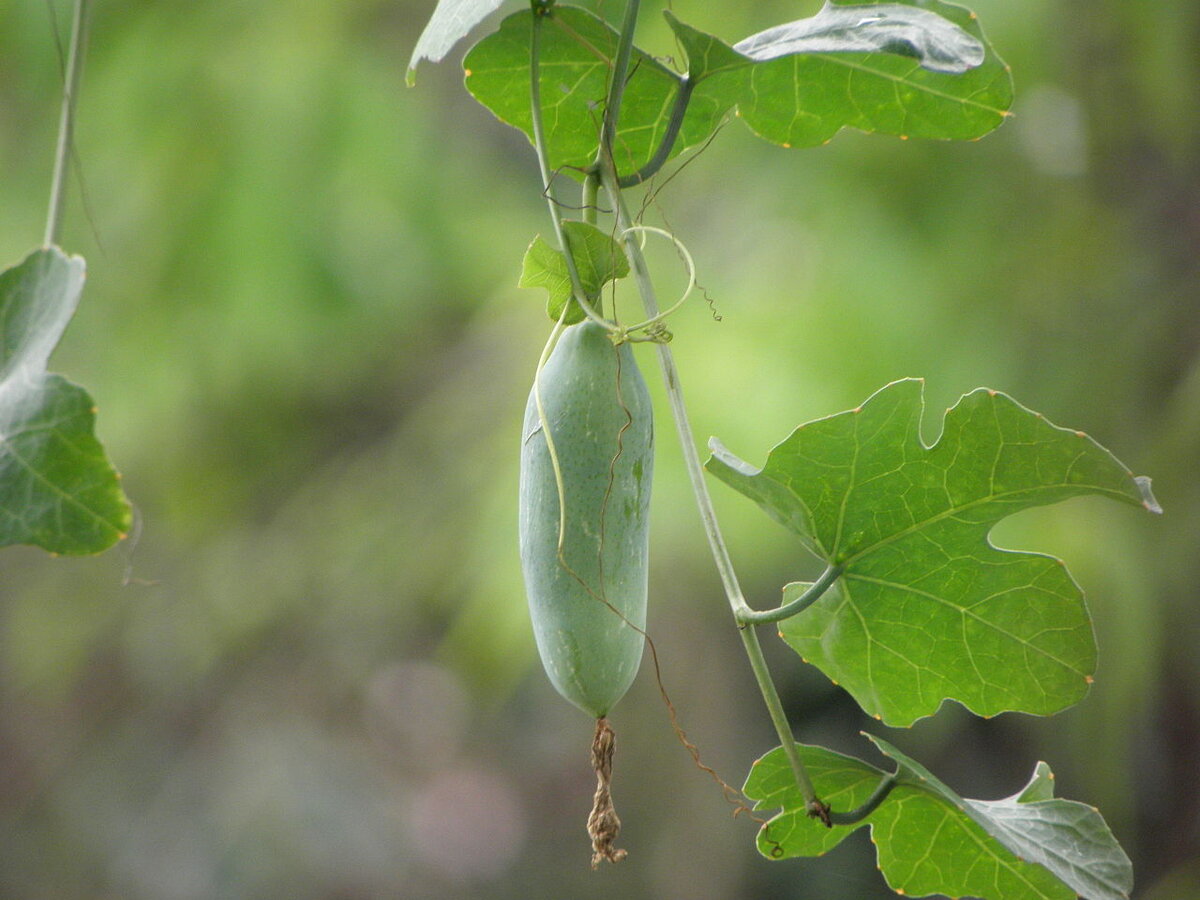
(310, 674)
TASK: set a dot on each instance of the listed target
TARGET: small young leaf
(57, 488)
(930, 840)
(451, 21)
(926, 608)
(598, 259)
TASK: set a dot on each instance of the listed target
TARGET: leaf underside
(927, 609)
(450, 23)
(599, 259)
(929, 840)
(917, 68)
(57, 488)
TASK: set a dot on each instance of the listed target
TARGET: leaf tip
(1148, 498)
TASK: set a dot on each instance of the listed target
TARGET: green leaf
(929, 840)
(926, 608)
(576, 53)
(707, 55)
(450, 22)
(917, 68)
(598, 259)
(57, 488)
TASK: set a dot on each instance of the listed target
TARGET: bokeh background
(310, 674)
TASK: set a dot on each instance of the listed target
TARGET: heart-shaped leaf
(926, 608)
(57, 488)
(929, 840)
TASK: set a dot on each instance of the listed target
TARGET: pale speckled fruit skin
(589, 652)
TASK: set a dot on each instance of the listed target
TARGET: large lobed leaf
(57, 488)
(929, 840)
(912, 68)
(926, 608)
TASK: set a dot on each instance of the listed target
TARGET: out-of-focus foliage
(310, 673)
(57, 489)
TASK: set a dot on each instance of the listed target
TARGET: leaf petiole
(857, 815)
(786, 611)
(663, 153)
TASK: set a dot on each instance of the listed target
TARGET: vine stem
(539, 143)
(66, 122)
(620, 74)
(591, 192)
(733, 591)
(708, 516)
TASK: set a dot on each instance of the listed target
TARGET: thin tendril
(690, 263)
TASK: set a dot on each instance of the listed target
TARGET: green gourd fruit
(584, 603)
